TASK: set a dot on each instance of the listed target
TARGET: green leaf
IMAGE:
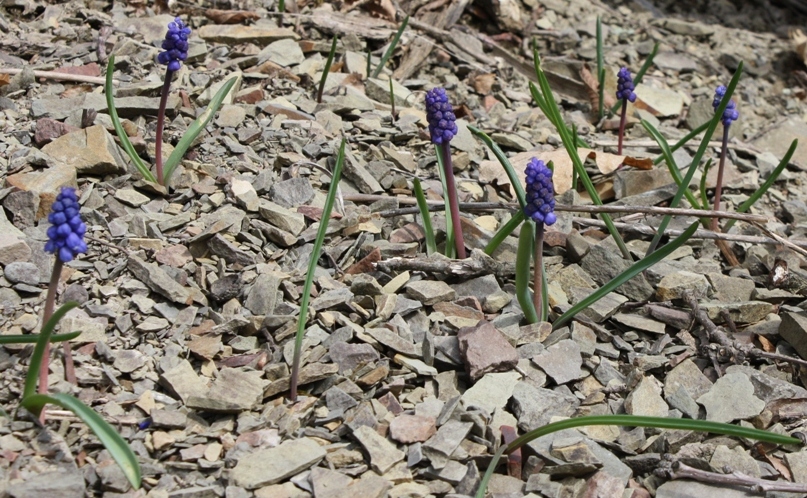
(689, 136)
(745, 206)
(632, 421)
(195, 129)
(312, 267)
(327, 69)
(521, 196)
(431, 244)
(666, 153)
(391, 48)
(112, 441)
(628, 274)
(553, 114)
(505, 231)
(526, 244)
(638, 79)
(683, 186)
(39, 350)
(144, 170)
(33, 338)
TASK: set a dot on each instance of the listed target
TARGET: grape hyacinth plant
(625, 93)
(65, 241)
(540, 208)
(175, 51)
(730, 114)
(442, 128)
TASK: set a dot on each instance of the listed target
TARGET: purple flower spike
(66, 233)
(624, 85)
(175, 45)
(730, 114)
(540, 193)
(440, 114)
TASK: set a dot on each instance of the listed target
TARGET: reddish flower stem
(622, 122)
(453, 200)
(161, 124)
(50, 302)
(719, 186)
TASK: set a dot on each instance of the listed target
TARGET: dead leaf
(490, 171)
(230, 16)
(5, 79)
(779, 466)
(378, 8)
(767, 345)
(593, 89)
(483, 83)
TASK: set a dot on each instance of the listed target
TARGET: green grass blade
(326, 70)
(113, 116)
(600, 69)
(312, 266)
(628, 274)
(39, 350)
(638, 79)
(689, 136)
(765, 186)
(195, 129)
(633, 421)
(526, 244)
(112, 441)
(504, 231)
(521, 196)
(33, 339)
(451, 249)
(683, 186)
(571, 149)
(431, 244)
(281, 6)
(702, 186)
(391, 48)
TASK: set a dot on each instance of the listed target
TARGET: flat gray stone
(67, 484)
(262, 296)
(492, 391)
(646, 399)
(233, 391)
(271, 465)
(439, 447)
(561, 361)
(20, 272)
(535, 406)
(694, 489)
(731, 398)
(383, 454)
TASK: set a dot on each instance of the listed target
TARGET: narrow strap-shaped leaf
(32, 339)
(112, 441)
(526, 243)
(391, 48)
(521, 196)
(683, 186)
(504, 231)
(626, 275)
(39, 350)
(195, 129)
(571, 149)
(144, 170)
(312, 267)
(327, 69)
(689, 136)
(600, 70)
(682, 424)
(666, 153)
(765, 186)
(431, 244)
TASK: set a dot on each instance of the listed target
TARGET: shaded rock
(271, 465)
(46, 184)
(226, 288)
(484, 349)
(349, 356)
(291, 193)
(158, 280)
(535, 406)
(262, 296)
(231, 253)
(603, 265)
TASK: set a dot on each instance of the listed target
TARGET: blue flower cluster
(440, 114)
(540, 193)
(624, 85)
(731, 113)
(175, 45)
(66, 235)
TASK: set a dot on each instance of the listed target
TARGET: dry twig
(683, 471)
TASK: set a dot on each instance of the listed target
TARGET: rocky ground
(411, 378)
